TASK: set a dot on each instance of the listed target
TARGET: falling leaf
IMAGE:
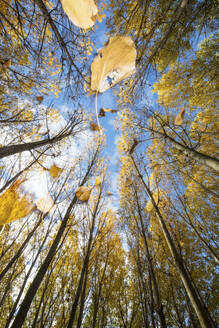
(55, 171)
(101, 112)
(45, 204)
(94, 126)
(109, 110)
(135, 142)
(97, 181)
(109, 193)
(106, 110)
(13, 206)
(115, 62)
(83, 193)
(39, 99)
(80, 12)
(179, 117)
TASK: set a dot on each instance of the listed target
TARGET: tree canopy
(109, 164)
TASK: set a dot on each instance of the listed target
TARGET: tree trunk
(19, 252)
(159, 305)
(80, 317)
(204, 159)
(48, 18)
(97, 297)
(16, 176)
(199, 307)
(32, 290)
(26, 279)
(19, 148)
(83, 271)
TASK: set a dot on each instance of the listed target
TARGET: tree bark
(80, 317)
(204, 159)
(48, 18)
(198, 305)
(84, 271)
(32, 290)
(19, 148)
(159, 305)
(26, 279)
(19, 252)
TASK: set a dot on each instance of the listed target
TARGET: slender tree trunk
(26, 279)
(39, 305)
(97, 298)
(16, 176)
(143, 303)
(208, 247)
(77, 295)
(83, 271)
(199, 307)
(20, 250)
(32, 290)
(178, 12)
(159, 305)
(80, 317)
(193, 318)
(204, 159)
(19, 148)
(48, 18)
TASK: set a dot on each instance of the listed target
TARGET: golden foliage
(94, 126)
(97, 181)
(149, 206)
(83, 193)
(81, 13)
(12, 205)
(55, 171)
(179, 117)
(115, 62)
(159, 198)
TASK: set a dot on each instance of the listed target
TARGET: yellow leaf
(13, 206)
(109, 110)
(179, 117)
(80, 12)
(83, 193)
(45, 204)
(115, 62)
(97, 181)
(94, 126)
(55, 171)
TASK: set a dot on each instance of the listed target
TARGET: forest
(108, 163)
